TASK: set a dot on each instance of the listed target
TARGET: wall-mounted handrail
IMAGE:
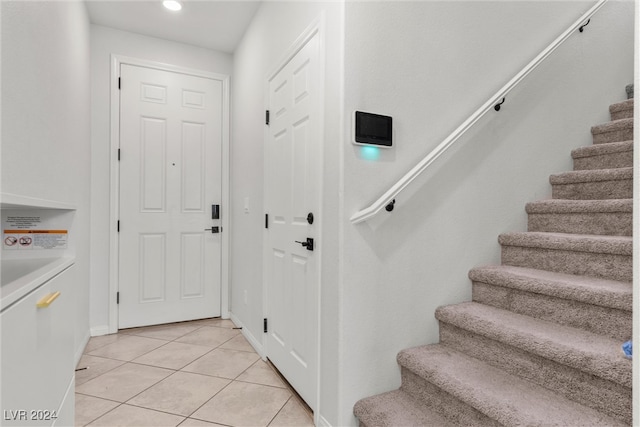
(494, 100)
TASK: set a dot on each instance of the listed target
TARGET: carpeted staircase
(540, 342)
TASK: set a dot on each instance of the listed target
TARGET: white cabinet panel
(37, 353)
(67, 412)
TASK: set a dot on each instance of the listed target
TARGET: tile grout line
(303, 404)
(200, 357)
(142, 407)
(174, 371)
(100, 416)
(208, 400)
(279, 410)
(143, 354)
(125, 362)
(159, 381)
(88, 367)
(231, 381)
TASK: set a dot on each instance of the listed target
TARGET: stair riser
(625, 134)
(600, 320)
(622, 114)
(396, 408)
(621, 110)
(442, 402)
(600, 223)
(622, 159)
(598, 190)
(606, 266)
(605, 396)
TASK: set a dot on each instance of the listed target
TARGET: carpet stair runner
(539, 344)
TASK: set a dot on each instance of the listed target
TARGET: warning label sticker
(32, 229)
(35, 239)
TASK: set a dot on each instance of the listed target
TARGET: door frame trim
(316, 27)
(114, 179)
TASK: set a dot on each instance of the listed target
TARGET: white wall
(46, 120)
(430, 65)
(104, 42)
(273, 31)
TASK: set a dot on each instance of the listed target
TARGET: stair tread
(613, 125)
(396, 408)
(579, 349)
(592, 175)
(579, 206)
(620, 245)
(601, 149)
(501, 396)
(621, 106)
(589, 290)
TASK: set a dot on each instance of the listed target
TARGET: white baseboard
(255, 343)
(100, 330)
(80, 348)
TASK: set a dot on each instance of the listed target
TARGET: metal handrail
(494, 101)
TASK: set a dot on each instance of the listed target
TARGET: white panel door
(292, 193)
(170, 175)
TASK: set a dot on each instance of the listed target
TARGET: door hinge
(119, 83)
(266, 220)
(117, 297)
(267, 117)
(118, 154)
(118, 226)
(265, 326)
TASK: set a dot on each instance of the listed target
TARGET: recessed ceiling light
(173, 5)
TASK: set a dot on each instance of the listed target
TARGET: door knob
(308, 244)
(213, 229)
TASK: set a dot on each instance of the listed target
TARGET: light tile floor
(200, 373)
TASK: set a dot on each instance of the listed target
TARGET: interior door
(293, 165)
(170, 176)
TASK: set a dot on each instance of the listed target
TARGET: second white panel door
(293, 178)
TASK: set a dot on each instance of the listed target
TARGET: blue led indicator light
(370, 153)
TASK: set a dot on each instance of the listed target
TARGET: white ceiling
(213, 24)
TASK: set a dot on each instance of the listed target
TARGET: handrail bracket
(390, 206)
(581, 29)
